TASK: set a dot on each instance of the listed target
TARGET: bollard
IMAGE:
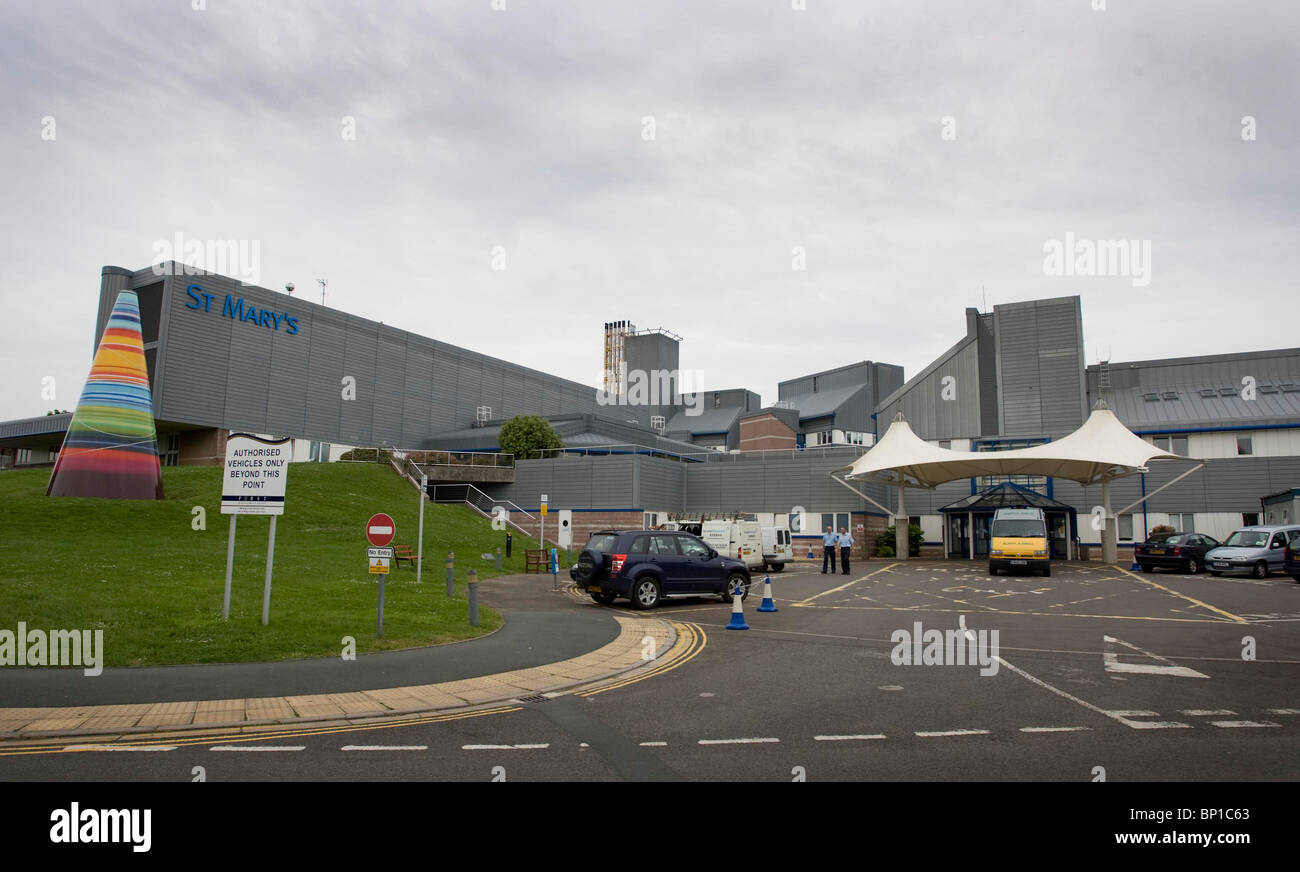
(472, 584)
(509, 541)
(451, 573)
(498, 560)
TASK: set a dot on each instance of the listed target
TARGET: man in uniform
(845, 541)
(829, 540)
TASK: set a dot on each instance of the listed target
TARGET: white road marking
(933, 733)
(1134, 713)
(1230, 724)
(1052, 729)
(1282, 711)
(120, 748)
(258, 748)
(753, 741)
(890, 687)
(849, 738)
(654, 744)
(1122, 717)
(1110, 659)
(505, 747)
(384, 748)
(1207, 713)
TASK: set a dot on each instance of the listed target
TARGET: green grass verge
(140, 571)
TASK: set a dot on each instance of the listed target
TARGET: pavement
(541, 649)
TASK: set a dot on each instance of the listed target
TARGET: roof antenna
(986, 298)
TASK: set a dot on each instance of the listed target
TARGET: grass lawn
(140, 571)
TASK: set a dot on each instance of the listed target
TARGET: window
(828, 520)
(1279, 540)
(1126, 527)
(825, 437)
(692, 547)
(1249, 519)
(22, 455)
(663, 545)
(1245, 445)
(1184, 523)
(639, 545)
(1172, 444)
(172, 451)
(945, 443)
(841, 520)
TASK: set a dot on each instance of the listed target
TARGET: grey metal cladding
(469, 386)
(611, 482)
(417, 391)
(1040, 366)
(195, 356)
(326, 331)
(390, 385)
(492, 388)
(446, 382)
(247, 376)
(661, 484)
(286, 409)
(360, 350)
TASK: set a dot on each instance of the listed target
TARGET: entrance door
(982, 524)
(958, 536)
(1057, 535)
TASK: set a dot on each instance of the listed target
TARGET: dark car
(646, 566)
(1291, 558)
(1185, 551)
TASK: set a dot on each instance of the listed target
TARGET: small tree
(527, 436)
(887, 547)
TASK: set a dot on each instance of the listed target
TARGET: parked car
(777, 548)
(1185, 551)
(1291, 558)
(647, 566)
(742, 540)
(1019, 541)
(1255, 550)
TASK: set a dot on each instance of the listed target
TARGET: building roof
(921, 376)
(1203, 405)
(708, 421)
(818, 404)
(42, 425)
(1006, 495)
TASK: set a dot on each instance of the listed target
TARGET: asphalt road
(1097, 674)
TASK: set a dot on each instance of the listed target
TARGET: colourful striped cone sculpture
(111, 449)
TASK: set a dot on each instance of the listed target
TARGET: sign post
(541, 537)
(256, 473)
(380, 530)
(419, 548)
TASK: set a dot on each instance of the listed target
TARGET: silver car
(1254, 550)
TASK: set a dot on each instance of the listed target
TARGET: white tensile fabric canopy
(1101, 449)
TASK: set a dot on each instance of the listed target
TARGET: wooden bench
(535, 560)
(403, 552)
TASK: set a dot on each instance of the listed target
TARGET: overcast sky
(772, 128)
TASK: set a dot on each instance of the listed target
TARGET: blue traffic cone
(811, 556)
(767, 605)
(737, 613)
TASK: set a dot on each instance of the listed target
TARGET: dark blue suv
(645, 566)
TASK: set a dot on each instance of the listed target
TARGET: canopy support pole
(1109, 545)
(886, 509)
(970, 534)
(902, 541)
(1159, 489)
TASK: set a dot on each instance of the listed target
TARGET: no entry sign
(380, 529)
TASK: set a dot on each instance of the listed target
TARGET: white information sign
(256, 472)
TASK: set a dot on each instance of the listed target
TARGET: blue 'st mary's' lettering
(234, 307)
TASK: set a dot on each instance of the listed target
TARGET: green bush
(885, 541)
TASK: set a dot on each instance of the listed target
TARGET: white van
(777, 549)
(742, 540)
